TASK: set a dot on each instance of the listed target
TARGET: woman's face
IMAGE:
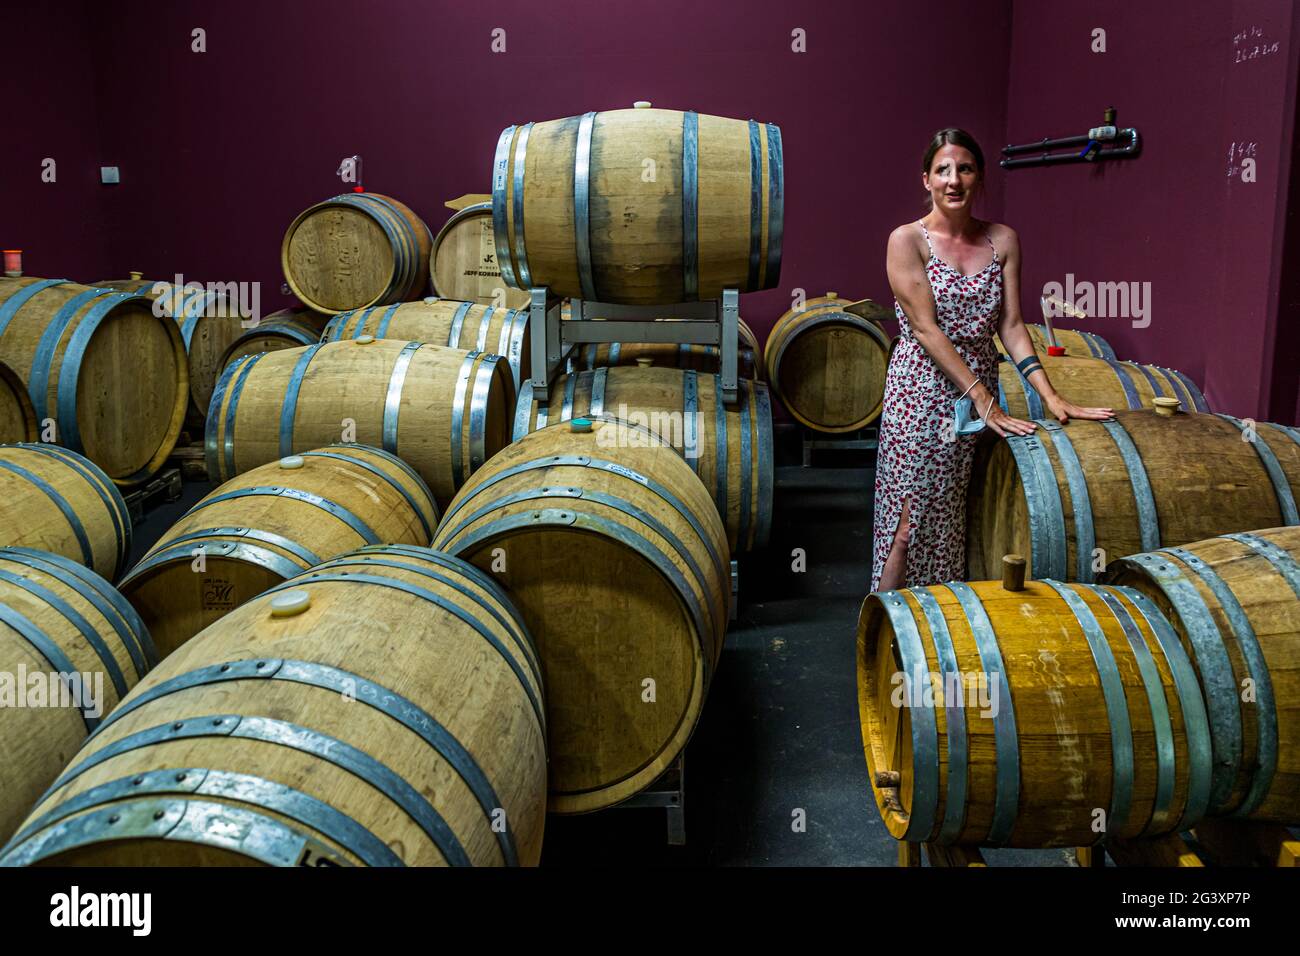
(952, 179)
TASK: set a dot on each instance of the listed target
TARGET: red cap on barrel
(1056, 350)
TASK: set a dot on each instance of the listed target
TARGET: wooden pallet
(166, 485)
(189, 458)
(1214, 843)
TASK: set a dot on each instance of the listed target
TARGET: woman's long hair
(954, 137)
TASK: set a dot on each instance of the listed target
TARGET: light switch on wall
(108, 174)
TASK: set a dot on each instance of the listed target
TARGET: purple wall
(1209, 243)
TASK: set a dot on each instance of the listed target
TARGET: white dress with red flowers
(919, 457)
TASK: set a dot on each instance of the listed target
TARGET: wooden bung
(1013, 572)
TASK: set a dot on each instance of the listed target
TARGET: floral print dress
(919, 458)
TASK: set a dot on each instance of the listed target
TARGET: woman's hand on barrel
(1063, 411)
(1004, 425)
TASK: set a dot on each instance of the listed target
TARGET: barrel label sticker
(218, 594)
(628, 473)
(317, 854)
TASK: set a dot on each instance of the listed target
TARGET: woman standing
(948, 308)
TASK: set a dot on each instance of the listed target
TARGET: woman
(949, 300)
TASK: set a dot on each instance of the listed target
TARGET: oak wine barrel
(1010, 718)
(828, 366)
(615, 556)
(286, 329)
(460, 325)
(1096, 383)
(270, 524)
(111, 374)
(284, 734)
(698, 358)
(443, 411)
(463, 264)
(573, 209)
(355, 250)
(728, 446)
(1234, 602)
(1076, 342)
(53, 499)
(1138, 483)
(57, 618)
(17, 414)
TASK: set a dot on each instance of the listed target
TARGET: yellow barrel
(70, 343)
(828, 366)
(1096, 383)
(1076, 342)
(70, 649)
(286, 329)
(17, 414)
(271, 524)
(52, 499)
(443, 411)
(1056, 715)
(616, 558)
(355, 250)
(463, 264)
(574, 208)
(287, 735)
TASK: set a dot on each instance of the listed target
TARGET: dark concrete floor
(780, 731)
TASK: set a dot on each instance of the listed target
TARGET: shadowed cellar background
(220, 150)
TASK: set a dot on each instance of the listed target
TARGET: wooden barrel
(573, 209)
(112, 375)
(728, 446)
(356, 250)
(463, 264)
(1010, 718)
(1235, 603)
(57, 617)
(271, 524)
(828, 366)
(1097, 383)
(17, 414)
(1077, 343)
(443, 411)
(1138, 483)
(460, 325)
(52, 499)
(617, 560)
(698, 358)
(418, 740)
(286, 329)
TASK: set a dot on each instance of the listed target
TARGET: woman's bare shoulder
(1002, 234)
(907, 236)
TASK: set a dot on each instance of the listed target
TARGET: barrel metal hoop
(9, 308)
(566, 409)
(1281, 486)
(381, 331)
(500, 176)
(398, 237)
(294, 737)
(766, 465)
(524, 411)
(744, 392)
(1148, 517)
(231, 410)
(38, 381)
(775, 206)
(458, 477)
(78, 530)
(388, 479)
(210, 444)
(755, 204)
(410, 272)
(1103, 347)
(1266, 739)
(925, 730)
(70, 369)
(289, 408)
(598, 381)
(823, 318)
(1196, 727)
(1151, 379)
(362, 316)
(521, 247)
(720, 449)
(1048, 555)
(1213, 665)
(48, 649)
(1112, 688)
(691, 422)
(1125, 382)
(296, 494)
(484, 373)
(582, 205)
(690, 206)
(1006, 801)
(393, 398)
(1178, 388)
(484, 326)
(457, 323)
(954, 805)
(393, 460)
(1085, 539)
(179, 549)
(1162, 728)
(516, 350)
(615, 349)
(1192, 390)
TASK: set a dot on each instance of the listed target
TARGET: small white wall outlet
(109, 174)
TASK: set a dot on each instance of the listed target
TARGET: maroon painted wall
(1209, 243)
(220, 150)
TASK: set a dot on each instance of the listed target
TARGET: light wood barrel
(112, 375)
(17, 414)
(290, 739)
(1138, 483)
(53, 499)
(271, 524)
(355, 250)
(286, 329)
(1077, 343)
(1097, 383)
(828, 366)
(443, 411)
(573, 210)
(463, 264)
(460, 325)
(57, 617)
(1010, 718)
(728, 446)
(1235, 604)
(617, 560)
